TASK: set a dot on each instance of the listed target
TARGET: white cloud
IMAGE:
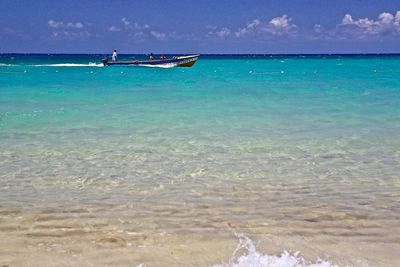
(137, 37)
(67, 30)
(386, 18)
(114, 29)
(138, 26)
(63, 25)
(76, 25)
(397, 19)
(278, 26)
(347, 20)
(223, 33)
(318, 28)
(386, 23)
(125, 21)
(158, 35)
(70, 35)
(133, 25)
(55, 24)
(250, 28)
(138, 32)
(281, 26)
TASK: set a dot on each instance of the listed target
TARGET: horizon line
(211, 54)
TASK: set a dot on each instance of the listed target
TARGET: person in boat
(162, 57)
(151, 56)
(114, 56)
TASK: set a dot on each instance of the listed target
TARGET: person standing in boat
(114, 56)
(151, 56)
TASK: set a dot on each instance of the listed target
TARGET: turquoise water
(289, 99)
(234, 140)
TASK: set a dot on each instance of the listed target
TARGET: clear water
(162, 166)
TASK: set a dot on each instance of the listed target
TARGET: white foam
(253, 258)
(6, 65)
(163, 66)
(90, 64)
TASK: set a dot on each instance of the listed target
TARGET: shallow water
(124, 166)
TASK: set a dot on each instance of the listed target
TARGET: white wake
(163, 66)
(90, 64)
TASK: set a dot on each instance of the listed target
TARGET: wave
(6, 65)
(254, 258)
(90, 64)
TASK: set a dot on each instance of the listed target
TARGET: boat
(179, 61)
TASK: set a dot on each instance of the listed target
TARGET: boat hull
(181, 61)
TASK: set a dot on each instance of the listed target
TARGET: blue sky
(202, 26)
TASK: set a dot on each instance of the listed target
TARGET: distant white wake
(98, 65)
(90, 64)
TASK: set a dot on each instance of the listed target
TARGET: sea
(240, 160)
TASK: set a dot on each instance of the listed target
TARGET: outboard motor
(105, 61)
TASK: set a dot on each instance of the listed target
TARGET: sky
(201, 26)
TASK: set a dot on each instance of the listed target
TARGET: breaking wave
(253, 258)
